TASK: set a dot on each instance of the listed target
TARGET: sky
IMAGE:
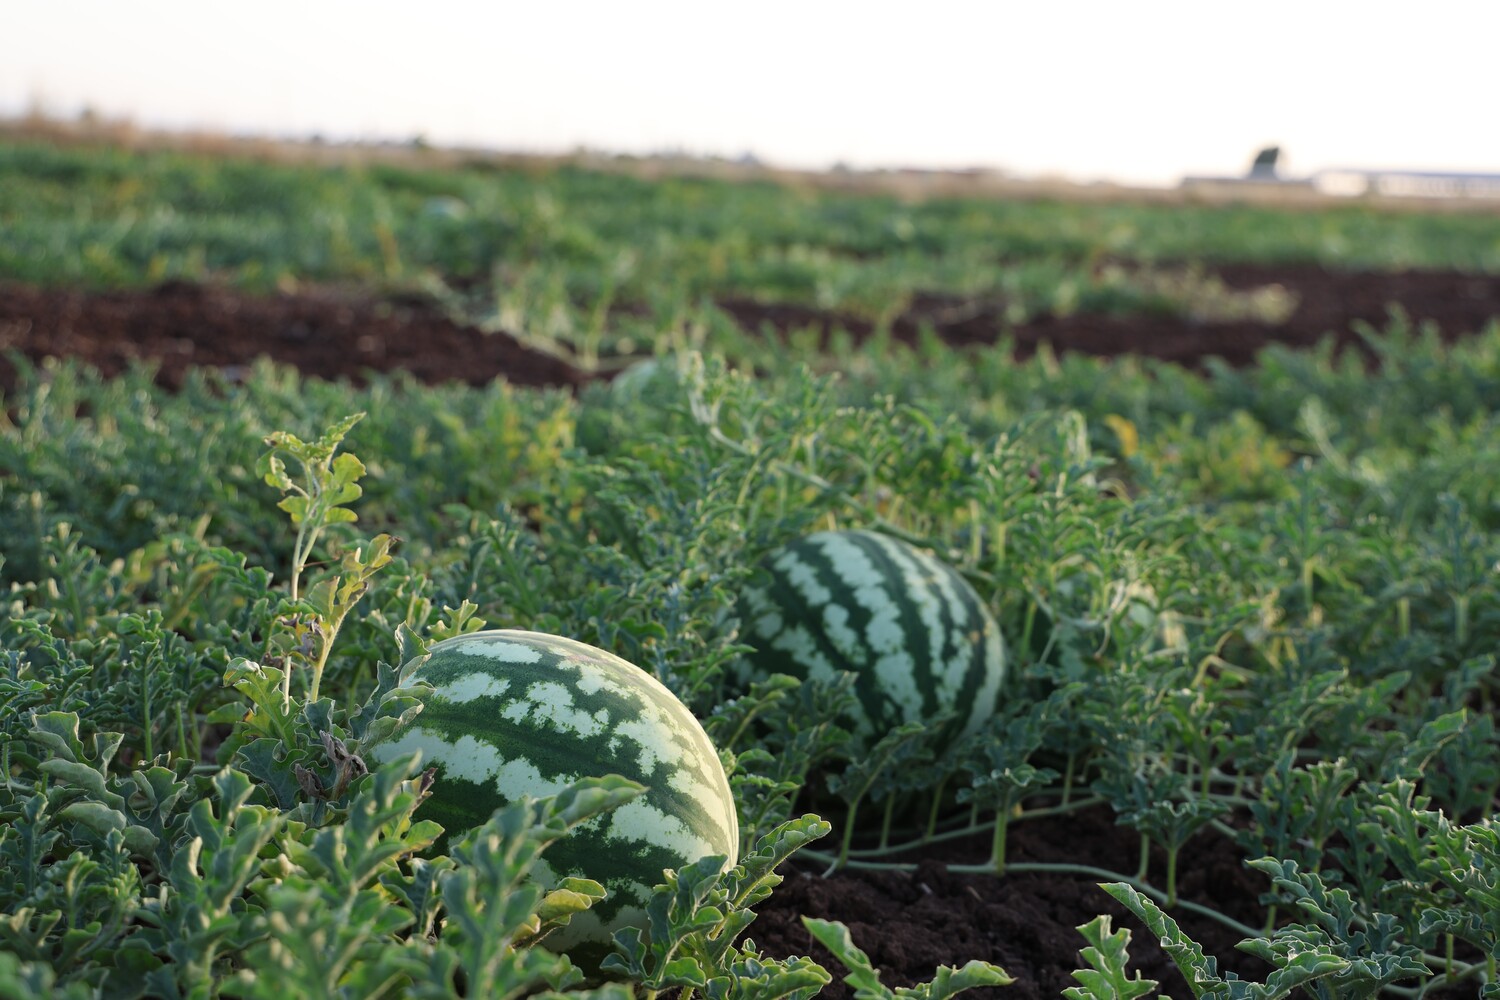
(1141, 92)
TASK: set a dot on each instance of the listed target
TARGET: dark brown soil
(325, 334)
(1328, 303)
(331, 334)
(908, 923)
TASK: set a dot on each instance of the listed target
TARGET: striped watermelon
(917, 635)
(518, 713)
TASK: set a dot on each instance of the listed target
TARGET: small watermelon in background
(917, 635)
(522, 713)
(614, 413)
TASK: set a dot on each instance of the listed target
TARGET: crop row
(579, 243)
(1263, 603)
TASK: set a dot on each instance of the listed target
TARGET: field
(1226, 476)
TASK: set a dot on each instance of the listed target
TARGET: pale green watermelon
(915, 632)
(522, 713)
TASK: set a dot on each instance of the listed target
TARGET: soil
(909, 923)
(327, 334)
(338, 334)
(1329, 304)
(1026, 923)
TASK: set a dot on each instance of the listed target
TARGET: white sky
(1141, 91)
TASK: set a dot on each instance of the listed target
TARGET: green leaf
(78, 775)
(94, 815)
(834, 936)
(273, 471)
(295, 506)
(269, 761)
(323, 597)
(336, 432)
(947, 981)
(684, 973)
(346, 470)
(1108, 954)
(58, 733)
(1200, 971)
(23, 980)
(877, 767)
(572, 896)
(491, 904)
(754, 878)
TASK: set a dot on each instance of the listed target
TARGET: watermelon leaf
(492, 907)
(1108, 955)
(699, 913)
(946, 982)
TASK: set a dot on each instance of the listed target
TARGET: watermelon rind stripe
(907, 677)
(928, 646)
(517, 713)
(951, 678)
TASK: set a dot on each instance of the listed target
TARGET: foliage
(699, 913)
(1258, 605)
(1107, 955)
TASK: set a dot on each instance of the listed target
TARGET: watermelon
(522, 713)
(639, 398)
(918, 637)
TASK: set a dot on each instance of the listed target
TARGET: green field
(572, 241)
(1256, 604)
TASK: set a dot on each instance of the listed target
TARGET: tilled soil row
(342, 335)
(1328, 304)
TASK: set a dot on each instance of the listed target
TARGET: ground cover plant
(1248, 614)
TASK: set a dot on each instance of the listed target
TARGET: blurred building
(1407, 183)
(1263, 176)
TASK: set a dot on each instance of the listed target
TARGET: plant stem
(146, 740)
(734, 738)
(1056, 868)
(997, 844)
(937, 802)
(1060, 808)
(300, 551)
(968, 831)
(324, 649)
(182, 744)
(1307, 586)
(299, 559)
(1026, 626)
(843, 858)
